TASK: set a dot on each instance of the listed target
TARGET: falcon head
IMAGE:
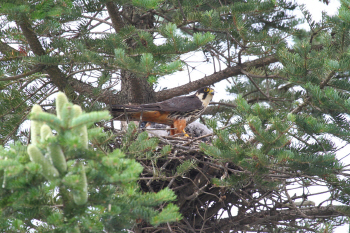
(205, 94)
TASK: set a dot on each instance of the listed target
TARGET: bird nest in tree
(216, 195)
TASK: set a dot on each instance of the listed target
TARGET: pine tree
(281, 132)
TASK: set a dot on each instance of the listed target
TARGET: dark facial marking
(205, 91)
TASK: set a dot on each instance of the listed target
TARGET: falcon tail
(125, 108)
(138, 113)
(122, 112)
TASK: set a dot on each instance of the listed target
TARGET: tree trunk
(135, 89)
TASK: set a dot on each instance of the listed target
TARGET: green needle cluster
(45, 148)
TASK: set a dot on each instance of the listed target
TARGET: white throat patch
(205, 101)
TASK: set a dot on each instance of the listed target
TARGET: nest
(210, 198)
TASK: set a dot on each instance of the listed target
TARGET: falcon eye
(206, 89)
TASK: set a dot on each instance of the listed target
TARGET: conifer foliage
(275, 144)
(65, 186)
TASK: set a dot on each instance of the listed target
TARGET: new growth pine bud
(81, 130)
(80, 193)
(48, 170)
(55, 151)
(70, 125)
(35, 126)
(61, 100)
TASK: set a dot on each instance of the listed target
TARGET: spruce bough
(54, 163)
(68, 182)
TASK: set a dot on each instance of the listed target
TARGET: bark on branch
(116, 18)
(15, 77)
(56, 76)
(214, 78)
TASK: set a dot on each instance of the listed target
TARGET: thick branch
(5, 48)
(81, 87)
(31, 37)
(221, 75)
(214, 78)
(115, 16)
(33, 71)
(56, 76)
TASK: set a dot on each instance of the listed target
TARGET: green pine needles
(69, 186)
(276, 141)
(272, 146)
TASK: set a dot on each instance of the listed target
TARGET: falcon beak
(211, 91)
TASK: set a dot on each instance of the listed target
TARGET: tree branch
(116, 18)
(5, 48)
(224, 104)
(214, 78)
(308, 99)
(263, 76)
(35, 70)
(254, 83)
(221, 75)
(56, 76)
(278, 215)
(98, 19)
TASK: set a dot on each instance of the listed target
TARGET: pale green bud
(35, 126)
(81, 130)
(48, 171)
(80, 194)
(61, 100)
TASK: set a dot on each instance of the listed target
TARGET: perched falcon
(176, 112)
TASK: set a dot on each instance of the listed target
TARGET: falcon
(176, 112)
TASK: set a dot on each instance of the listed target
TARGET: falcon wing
(176, 104)
(157, 112)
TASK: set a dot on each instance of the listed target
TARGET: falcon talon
(185, 134)
(176, 112)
